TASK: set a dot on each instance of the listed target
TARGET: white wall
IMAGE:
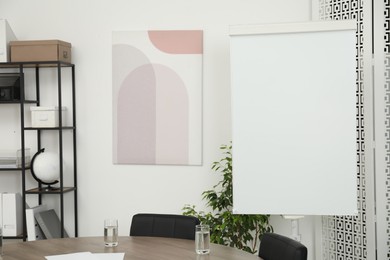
(107, 190)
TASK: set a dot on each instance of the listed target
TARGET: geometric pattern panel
(345, 237)
(386, 38)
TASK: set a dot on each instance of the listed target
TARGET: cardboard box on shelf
(41, 50)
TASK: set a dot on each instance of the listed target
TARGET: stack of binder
(42, 223)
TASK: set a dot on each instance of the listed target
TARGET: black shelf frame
(50, 128)
(18, 102)
(61, 190)
(17, 237)
(41, 190)
(36, 64)
(14, 169)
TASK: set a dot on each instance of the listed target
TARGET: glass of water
(111, 232)
(202, 239)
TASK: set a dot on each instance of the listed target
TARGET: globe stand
(48, 187)
(41, 182)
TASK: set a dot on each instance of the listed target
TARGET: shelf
(39, 190)
(35, 64)
(18, 102)
(50, 128)
(13, 169)
(54, 190)
(16, 237)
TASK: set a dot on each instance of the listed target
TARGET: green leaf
(241, 231)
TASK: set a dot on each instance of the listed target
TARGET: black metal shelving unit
(39, 190)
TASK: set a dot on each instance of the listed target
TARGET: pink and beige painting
(157, 97)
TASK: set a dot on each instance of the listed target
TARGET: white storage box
(46, 116)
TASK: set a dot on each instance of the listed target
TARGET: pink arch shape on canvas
(137, 117)
(178, 42)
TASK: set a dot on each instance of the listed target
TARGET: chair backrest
(277, 247)
(164, 225)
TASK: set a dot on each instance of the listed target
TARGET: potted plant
(241, 231)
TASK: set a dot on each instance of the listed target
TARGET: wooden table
(135, 248)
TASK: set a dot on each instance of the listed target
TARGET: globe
(46, 167)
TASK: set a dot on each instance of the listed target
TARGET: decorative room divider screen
(366, 236)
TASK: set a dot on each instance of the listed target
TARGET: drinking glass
(202, 239)
(111, 232)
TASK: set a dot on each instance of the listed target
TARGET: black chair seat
(164, 225)
(277, 247)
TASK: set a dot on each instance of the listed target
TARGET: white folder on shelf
(12, 214)
(34, 232)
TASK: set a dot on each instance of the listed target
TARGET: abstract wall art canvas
(157, 97)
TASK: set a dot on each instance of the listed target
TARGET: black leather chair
(277, 247)
(164, 225)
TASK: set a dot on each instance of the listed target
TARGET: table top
(135, 248)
